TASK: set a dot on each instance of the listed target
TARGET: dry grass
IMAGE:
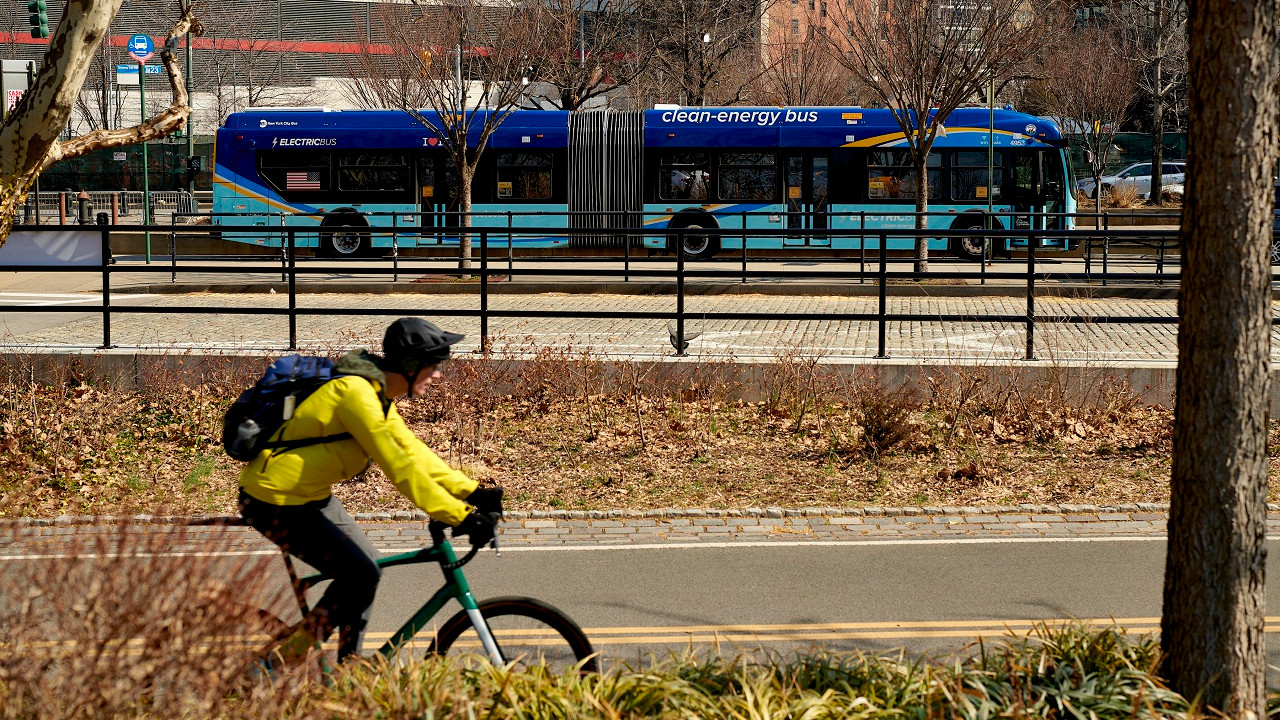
(566, 429)
(119, 625)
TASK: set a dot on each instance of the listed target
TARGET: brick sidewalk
(406, 530)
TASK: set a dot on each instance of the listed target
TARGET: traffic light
(39, 18)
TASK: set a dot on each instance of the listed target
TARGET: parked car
(1137, 176)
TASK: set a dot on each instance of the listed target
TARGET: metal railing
(64, 205)
(874, 264)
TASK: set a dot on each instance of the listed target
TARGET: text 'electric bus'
(344, 178)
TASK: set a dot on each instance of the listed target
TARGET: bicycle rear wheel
(528, 632)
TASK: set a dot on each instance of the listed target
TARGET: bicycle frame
(455, 588)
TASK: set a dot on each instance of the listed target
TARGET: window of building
(884, 5)
(891, 175)
(824, 9)
(683, 175)
(795, 27)
(748, 176)
(524, 175)
(822, 30)
(373, 171)
(811, 4)
(969, 175)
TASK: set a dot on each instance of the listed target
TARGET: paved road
(928, 594)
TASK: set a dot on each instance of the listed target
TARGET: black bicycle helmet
(412, 344)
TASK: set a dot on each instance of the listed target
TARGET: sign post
(142, 49)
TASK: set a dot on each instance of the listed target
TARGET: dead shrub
(885, 418)
(1121, 197)
(126, 624)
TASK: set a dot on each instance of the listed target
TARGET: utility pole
(191, 131)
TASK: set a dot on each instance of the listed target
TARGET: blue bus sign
(141, 48)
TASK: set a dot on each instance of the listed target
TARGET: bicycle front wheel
(528, 633)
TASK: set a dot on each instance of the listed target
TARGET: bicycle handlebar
(437, 528)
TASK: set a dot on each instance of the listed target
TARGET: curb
(1143, 292)
(658, 514)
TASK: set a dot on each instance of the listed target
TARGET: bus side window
(748, 176)
(892, 176)
(969, 176)
(524, 176)
(683, 175)
(296, 171)
(373, 172)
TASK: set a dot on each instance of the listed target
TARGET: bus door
(807, 206)
(1038, 187)
(438, 197)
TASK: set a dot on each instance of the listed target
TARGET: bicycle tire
(524, 629)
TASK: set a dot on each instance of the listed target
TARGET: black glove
(487, 500)
(480, 527)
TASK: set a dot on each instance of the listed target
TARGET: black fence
(1028, 272)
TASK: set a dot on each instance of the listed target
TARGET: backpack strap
(287, 445)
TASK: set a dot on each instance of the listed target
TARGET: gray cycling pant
(323, 535)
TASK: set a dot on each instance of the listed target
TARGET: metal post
(37, 199)
(484, 292)
(1106, 246)
(626, 258)
(173, 247)
(744, 246)
(146, 166)
(284, 250)
(1160, 262)
(191, 133)
(884, 283)
(862, 246)
(680, 293)
(1031, 298)
(293, 292)
(395, 249)
(511, 248)
(106, 290)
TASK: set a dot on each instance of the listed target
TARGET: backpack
(259, 412)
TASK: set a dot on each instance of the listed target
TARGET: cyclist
(286, 494)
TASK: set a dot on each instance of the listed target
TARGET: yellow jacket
(355, 404)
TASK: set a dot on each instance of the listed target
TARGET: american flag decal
(302, 181)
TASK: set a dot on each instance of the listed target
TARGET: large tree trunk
(1212, 629)
(29, 138)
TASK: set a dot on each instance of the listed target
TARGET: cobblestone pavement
(972, 341)
(408, 530)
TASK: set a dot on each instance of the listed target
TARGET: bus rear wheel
(695, 245)
(345, 235)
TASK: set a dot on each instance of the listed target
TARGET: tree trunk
(466, 171)
(922, 206)
(1157, 146)
(1212, 628)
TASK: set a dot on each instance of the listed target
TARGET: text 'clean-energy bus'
(343, 179)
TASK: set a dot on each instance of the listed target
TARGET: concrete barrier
(1078, 383)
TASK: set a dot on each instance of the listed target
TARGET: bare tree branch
(29, 137)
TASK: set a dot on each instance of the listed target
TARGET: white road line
(787, 544)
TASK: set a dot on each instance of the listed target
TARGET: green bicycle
(516, 630)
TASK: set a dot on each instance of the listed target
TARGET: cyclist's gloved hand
(487, 500)
(480, 527)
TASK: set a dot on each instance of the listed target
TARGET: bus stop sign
(141, 48)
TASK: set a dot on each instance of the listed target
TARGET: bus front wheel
(345, 235)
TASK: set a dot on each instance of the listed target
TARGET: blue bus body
(727, 170)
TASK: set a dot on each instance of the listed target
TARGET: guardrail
(62, 207)
(874, 265)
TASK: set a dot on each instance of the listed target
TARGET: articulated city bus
(348, 179)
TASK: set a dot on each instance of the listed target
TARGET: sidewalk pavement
(408, 530)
